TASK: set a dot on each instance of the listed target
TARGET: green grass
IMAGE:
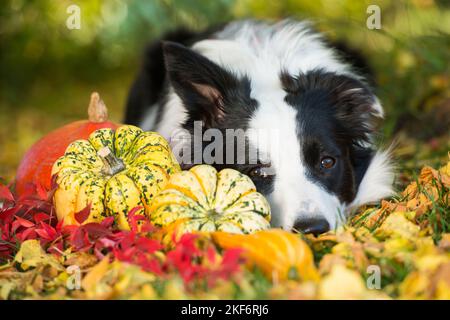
(438, 217)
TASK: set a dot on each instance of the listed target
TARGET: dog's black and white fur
(254, 75)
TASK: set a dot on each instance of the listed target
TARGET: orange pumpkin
(37, 163)
(279, 254)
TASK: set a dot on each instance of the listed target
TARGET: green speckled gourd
(113, 171)
(203, 199)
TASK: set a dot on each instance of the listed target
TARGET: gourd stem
(97, 111)
(215, 212)
(111, 164)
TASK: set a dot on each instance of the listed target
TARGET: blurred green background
(49, 71)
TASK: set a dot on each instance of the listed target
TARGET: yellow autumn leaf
(441, 279)
(81, 259)
(396, 224)
(410, 215)
(442, 291)
(329, 261)
(427, 284)
(430, 262)
(31, 255)
(131, 281)
(353, 253)
(6, 287)
(445, 169)
(397, 246)
(92, 283)
(174, 290)
(345, 284)
(445, 241)
(146, 292)
(414, 286)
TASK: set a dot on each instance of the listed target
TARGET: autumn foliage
(406, 237)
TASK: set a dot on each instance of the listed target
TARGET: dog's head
(308, 142)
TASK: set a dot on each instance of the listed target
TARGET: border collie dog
(283, 78)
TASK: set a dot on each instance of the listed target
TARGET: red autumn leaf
(56, 248)
(96, 230)
(148, 245)
(147, 227)
(130, 254)
(43, 234)
(107, 222)
(127, 241)
(79, 239)
(67, 230)
(7, 215)
(147, 263)
(82, 215)
(51, 232)
(187, 242)
(36, 204)
(211, 254)
(4, 249)
(152, 265)
(20, 222)
(26, 234)
(5, 231)
(133, 218)
(231, 259)
(40, 216)
(6, 194)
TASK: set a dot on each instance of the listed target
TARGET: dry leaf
(445, 242)
(81, 259)
(32, 255)
(92, 283)
(396, 224)
(344, 284)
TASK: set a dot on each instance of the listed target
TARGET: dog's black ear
(201, 84)
(357, 108)
(355, 105)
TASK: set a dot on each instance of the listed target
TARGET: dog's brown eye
(259, 172)
(327, 162)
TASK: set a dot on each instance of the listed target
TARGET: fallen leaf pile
(399, 249)
(406, 240)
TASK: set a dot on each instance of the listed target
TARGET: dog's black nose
(311, 225)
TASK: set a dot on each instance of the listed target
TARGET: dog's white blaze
(294, 196)
(174, 115)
